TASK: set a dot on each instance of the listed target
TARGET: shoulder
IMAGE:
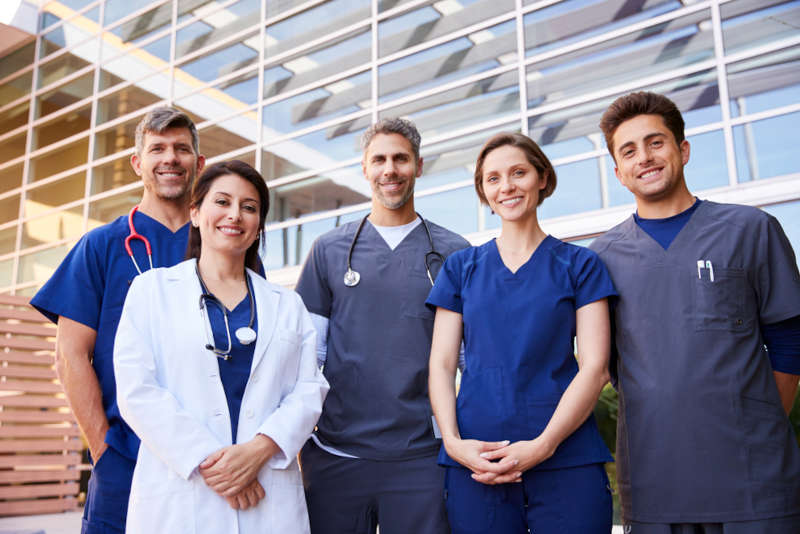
(734, 214)
(572, 253)
(340, 234)
(613, 236)
(446, 239)
(100, 238)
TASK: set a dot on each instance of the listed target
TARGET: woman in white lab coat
(216, 373)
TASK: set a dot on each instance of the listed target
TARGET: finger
(508, 478)
(484, 478)
(493, 445)
(233, 502)
(494, 453)
(212, 459)
(260, 491)
(242, 499)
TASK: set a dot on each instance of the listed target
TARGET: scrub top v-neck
(519, 329)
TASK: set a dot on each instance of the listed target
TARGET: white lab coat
(169, 391)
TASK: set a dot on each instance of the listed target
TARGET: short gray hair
(393, 125)
(162, 118)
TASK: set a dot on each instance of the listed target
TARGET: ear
(194, 216)
(616, 172)
(419, 168)
(201, 162)
(543, 181)
(364, 167)
(685, 150)
(136, 163)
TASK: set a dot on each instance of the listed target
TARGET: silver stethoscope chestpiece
(245, 335)
(351, 277)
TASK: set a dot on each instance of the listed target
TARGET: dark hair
(393, 125)
(533, 154)
(203, 185)
(642, 103)
(162, 118)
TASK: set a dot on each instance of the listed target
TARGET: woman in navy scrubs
(521, 448)
(216, 373)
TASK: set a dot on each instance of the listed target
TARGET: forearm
(445, 348)
(787, 388)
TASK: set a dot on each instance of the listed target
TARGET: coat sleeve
(151, 410)
(291, 424)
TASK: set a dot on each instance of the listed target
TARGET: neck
(171, 213)
(666, 207)
(521, 236)
(383, 216)
(220, 267)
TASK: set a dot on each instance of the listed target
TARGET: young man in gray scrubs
(372, 459)
(704, 445)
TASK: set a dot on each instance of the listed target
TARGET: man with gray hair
(86, 293)
(372, 459)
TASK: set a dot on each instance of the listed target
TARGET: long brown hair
(203, 185)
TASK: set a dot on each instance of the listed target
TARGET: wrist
(265, 446)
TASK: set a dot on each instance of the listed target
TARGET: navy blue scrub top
(235, 371)
(518, 338)
(90, 286)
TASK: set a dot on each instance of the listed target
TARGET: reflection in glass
(116, 139)
(10, 178)
(577, 190)
(60, 67)
(60, 159)
(13, 147)
(17, 59)
(9, 209)
(17, 88)
(14, 117)
(747, 24)
(221, 100)
(229, 135)
(8, 240)
(112, 174)
(6, 266)
(61, 127)
(127, 100)
(40, 265)
(53, 227)
(136, 63)
(65, 35)
(41, 199)
(65, 95)
(321, 148)
(116, 9)
(220, 61)
(456, 210)
(214, 24)
(107, 209)
(707, 166)
(767, 148)
(764, 82)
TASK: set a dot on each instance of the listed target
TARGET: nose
(645, 156)
(234, 212)
(171, 155)
(506, 184)
(389, 169)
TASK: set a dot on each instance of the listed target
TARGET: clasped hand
(498, 462)
(232, 471)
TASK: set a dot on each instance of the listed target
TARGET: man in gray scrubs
(372, 459)
(704, 444)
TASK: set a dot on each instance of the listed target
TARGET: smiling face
(511, 183)
(391, 169)
(228, 217)
(167, 164)
(649, 160)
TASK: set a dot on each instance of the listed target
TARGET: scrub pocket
(719, 304)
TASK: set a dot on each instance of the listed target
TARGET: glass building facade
(290, 85)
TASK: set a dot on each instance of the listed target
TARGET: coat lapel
(267, 301)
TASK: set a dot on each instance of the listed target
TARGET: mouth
(230, 230)
(650, 173)
(391, 187)
(170, 173)
(510, 202)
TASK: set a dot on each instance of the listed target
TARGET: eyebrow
(229, 195)
(646, 138)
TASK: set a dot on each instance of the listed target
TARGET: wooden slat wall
(40, 443)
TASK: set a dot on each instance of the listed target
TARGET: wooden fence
(40, 444)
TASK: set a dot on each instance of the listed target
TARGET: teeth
(649, 174)
(510, 201)
(231, 231)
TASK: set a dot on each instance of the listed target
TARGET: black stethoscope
(245, 334)
(352, 277)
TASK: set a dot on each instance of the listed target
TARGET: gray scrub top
(379, 339)
(702, 435)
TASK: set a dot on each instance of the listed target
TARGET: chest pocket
(418, 287)
(719, 305)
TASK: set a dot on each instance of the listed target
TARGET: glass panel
(113, 174)
(319, 149)
(577, 190)
(8, 240)
(678, 43)
(115, 139)
(318, 105)
(41, 199)
(18, 59)
(324, 19)
(16, 88)
(217, 63)
(323, 62)
(65, 35)
(53, 227)
(64, 96)
(788, 214)
(9, 209)
(618, 194)
(706, 168)
(59, 68)
(471, 104)
(766, 148)
(145, 25)
(765, 82)
(431, 21)
(221, 100)
(332, 190)
(217, 24)
(14, 117)
(13, 147)
(477, 52)
(107, 209)
(40, 266)
(748, 24)
(456, 210)
(134, 63)
(232, 134)
(61, 159)
(116, 9)
(6, 268)
(61, 127)
(274, 166)
(126, 100)
(10, 178)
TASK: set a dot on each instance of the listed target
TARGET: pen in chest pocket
(705, 264)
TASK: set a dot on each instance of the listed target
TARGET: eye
(221, 201)
(657, 143)
(250, 208)
(492, 178)
(519, 172)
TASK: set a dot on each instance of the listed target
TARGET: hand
(471, 454)
(248, 497)
(231, 469)
(524, 455)
(97, 451)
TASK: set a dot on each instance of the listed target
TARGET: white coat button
(212, 375)
(216, 413)
(250, 414)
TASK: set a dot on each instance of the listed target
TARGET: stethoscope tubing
(133, 234)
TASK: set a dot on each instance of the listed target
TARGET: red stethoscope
(136, 235)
